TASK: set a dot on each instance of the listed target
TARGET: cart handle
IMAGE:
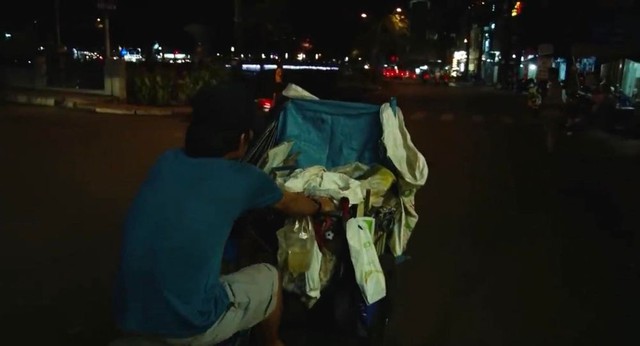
(289, 169)
(394, 105)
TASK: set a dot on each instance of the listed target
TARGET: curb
(32, 100)
(80, 104)
(154, 112)
(108, 110)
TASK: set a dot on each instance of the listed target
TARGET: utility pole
(107, 6)
(505, 69)
(57, 13)
(238, 26)
(107, 36)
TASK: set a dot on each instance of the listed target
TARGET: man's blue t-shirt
(174, 238)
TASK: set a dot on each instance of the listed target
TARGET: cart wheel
(373, 328)
(377, 317)
(345, 310)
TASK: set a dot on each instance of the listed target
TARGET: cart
(329, 134)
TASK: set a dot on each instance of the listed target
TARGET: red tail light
(265, 104)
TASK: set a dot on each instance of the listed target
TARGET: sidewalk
(87, 102)
(601, 170)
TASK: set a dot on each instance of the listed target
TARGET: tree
(202, 37)
(388, 34)
(266, 25)
(430, 30)
(261, 25)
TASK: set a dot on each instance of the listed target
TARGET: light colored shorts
(253, 293)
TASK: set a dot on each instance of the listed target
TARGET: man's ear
(246, 138)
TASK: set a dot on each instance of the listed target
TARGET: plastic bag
(316, 181)
(293, 91)
(277, 156)
(366, 264)
(312, 280)
(412, 173)
(300, 258)
(379, 180)
(296, 242)
(353, 170)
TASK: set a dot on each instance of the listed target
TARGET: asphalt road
(514, 246)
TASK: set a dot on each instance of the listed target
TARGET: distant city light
(132, 54)
(256, 67)
(364, 15)
(175, 56)
(7, 35)
(460, 54)
(517, 9)
(85, 55)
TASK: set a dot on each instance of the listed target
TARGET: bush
(163, 84)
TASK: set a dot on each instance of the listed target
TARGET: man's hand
(297, 204)
(326, 205)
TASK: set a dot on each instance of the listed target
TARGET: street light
(398, 10)
(364, 15)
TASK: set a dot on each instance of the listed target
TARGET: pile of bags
(382, 197)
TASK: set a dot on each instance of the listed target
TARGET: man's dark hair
(221, 114)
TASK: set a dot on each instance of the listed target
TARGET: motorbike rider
(169, 285)
(604, 106)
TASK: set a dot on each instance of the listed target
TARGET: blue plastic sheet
(331, 133)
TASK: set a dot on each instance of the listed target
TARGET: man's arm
(297, 204)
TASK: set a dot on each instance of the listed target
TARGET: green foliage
(383, 35)
(170, 84)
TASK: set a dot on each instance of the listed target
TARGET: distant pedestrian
(279, 81)
(552, 109)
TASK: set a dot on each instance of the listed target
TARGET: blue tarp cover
(331, 133)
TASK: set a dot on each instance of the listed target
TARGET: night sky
(329, 23)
